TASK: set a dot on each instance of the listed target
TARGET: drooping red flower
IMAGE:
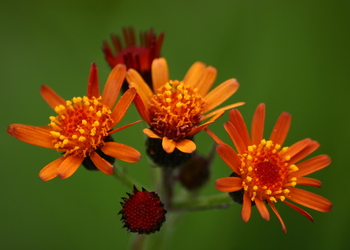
(265, 171)
(81, 126)
(142, 212)
(134, 55)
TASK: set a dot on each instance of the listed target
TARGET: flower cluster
(264, 171)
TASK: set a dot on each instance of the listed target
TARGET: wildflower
(142, 212)
(81, 126)
(265, 171)
(138, 57)
(174, 109)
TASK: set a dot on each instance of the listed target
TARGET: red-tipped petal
(299, 210)
(284, 229)
(69, 166)
(262, 209)
(212, 135)
(51, 97)
(33, 135)
(281, 128)
(113, 84)
(93, 86)
(312, 165)
(123, 105)
(309, 182)
(228, 184)
(310, 200)
(313, 145)
(247, 207)
(121, 152)
(237, 120)
(50, 170)
(258, 124)
(103, 165)
(229, 156)
(235, 137)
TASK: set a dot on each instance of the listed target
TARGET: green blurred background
(292, 55)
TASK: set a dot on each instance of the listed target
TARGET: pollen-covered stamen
(81, 126)
(266, 172)
(175, 110)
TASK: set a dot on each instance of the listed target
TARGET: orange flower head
(133, 55)
(82, 128)
(175, 109)
(265, 171)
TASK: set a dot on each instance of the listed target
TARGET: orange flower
(267, 172)
(81, 126)
(138, 57)
(175, 109)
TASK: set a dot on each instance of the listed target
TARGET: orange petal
(258, 122)
(220, 94)
(284, 229)
(237, 120)
(50, 170)
(123, 127)
(299, 210)
(313, 145)
(247, 207)
(228, 184)
(235, 137)
(103, 165)
(194, 74)
(186, 146)
(122, 105)
(262, 209)
(229, 156)
(121, 152)
(141, 108)
(310, 200)
(135, 80)
(281, 128)
(69, 166)
(309, 182)
(206, 80)
(150, 133)
(168, 145)
(206, 124)
(215, 138)
(51, 97)
(312, 165)
(113, 84)
(33, 135)
(93, 86)
(160, 73)
(220, 110)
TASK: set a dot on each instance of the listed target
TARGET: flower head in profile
(175, 109)
(133, 55)
(81, 127)
(142, 212)
(265, 171)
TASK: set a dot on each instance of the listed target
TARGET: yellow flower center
(266, 172)
(175, 110)
(81, 126)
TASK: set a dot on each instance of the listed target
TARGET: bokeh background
(292, 55)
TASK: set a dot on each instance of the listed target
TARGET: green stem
(125, 179)
(219, 201)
